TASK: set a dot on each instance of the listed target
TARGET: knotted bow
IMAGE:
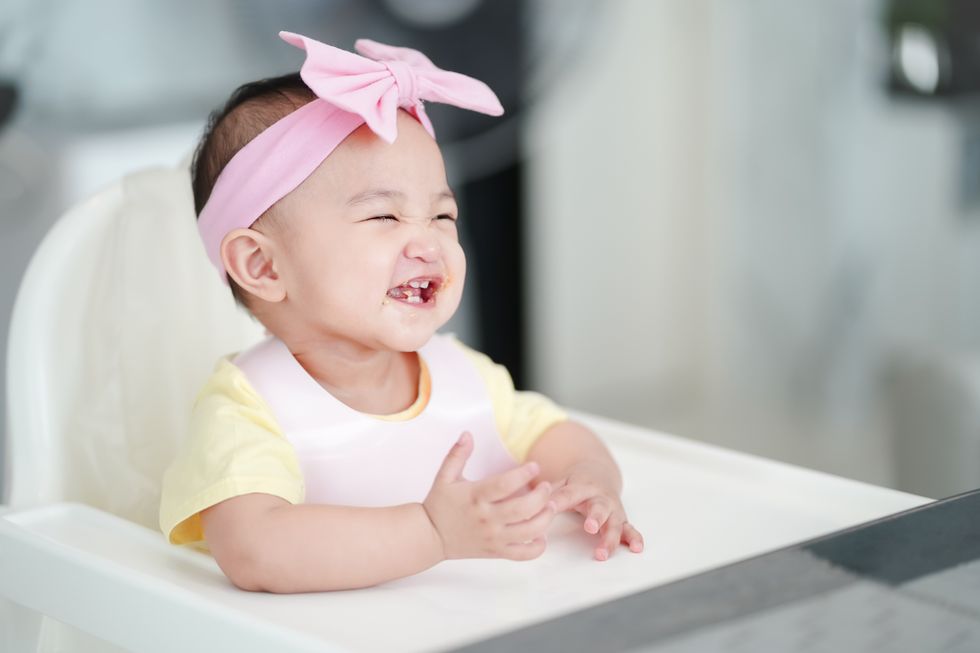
(375, 85)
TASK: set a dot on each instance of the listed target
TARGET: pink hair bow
(352, 90)
(375, 85)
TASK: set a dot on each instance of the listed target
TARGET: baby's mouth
(418, 291)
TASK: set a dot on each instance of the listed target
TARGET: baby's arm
(588, 480)
(264, 543)
(567, 444)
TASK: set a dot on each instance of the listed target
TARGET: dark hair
(251, 109)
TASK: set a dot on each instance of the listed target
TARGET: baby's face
(369, 242)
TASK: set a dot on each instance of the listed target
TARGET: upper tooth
(414, 284)
(424, 284)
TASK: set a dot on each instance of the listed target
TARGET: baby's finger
(454, 462)
(532, 528)
(598, 512)
(632, 538)
(571, 495)
(611, 535)
(525, 506)
(503, 485)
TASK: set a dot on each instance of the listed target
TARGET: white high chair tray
(698, 507)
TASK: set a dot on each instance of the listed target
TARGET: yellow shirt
(234, 445)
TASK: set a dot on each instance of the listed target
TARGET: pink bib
(349, 458)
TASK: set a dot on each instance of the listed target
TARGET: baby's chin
(409, 339)
(404, 344)
(412, 330)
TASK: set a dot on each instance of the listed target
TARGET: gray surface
(957, 588)
(863, 617)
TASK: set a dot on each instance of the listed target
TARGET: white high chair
(118, 322)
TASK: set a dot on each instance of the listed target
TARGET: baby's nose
(423, 246)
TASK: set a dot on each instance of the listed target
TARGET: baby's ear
(249, 258)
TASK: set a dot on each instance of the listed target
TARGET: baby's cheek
(460, 261)
(449, 297)
(456, 270)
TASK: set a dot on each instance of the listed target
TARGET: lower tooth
(414, 299)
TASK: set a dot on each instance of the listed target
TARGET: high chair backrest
(117, 324)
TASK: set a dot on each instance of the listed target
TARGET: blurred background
(750, 223)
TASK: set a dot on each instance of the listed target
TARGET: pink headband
(352, 90)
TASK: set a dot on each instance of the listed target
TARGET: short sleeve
(521, 416)
(234, 446)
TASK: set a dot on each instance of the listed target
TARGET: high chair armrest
(124, 584)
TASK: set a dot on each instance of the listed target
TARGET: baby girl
(356, 445)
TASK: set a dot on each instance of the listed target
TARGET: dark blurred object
(8, 101)
(935, 46)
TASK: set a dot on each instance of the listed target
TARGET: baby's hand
(590, 491)
(491, 518)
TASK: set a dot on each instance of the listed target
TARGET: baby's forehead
(410, 166)
(411, 137)
(407, 187)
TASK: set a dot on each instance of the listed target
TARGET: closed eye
(446, 216)
(382, 218)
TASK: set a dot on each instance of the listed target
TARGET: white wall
(616, 219)
(736, 233)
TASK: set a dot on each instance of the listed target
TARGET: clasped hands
(496, 518)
